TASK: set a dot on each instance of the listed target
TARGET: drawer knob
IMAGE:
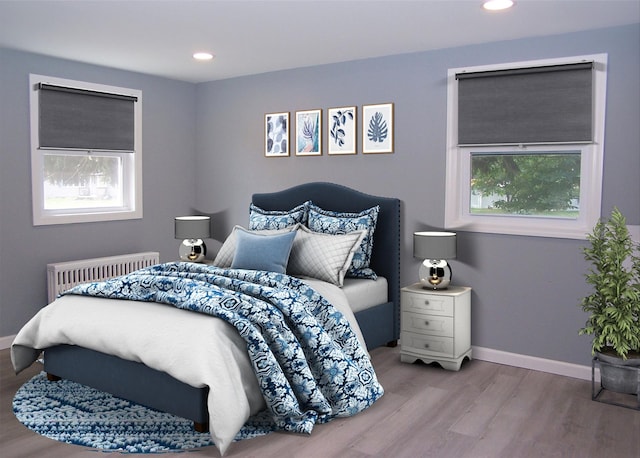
(426, 345)
(426, 323)
(426, 302)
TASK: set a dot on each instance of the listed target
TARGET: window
(86, 151)
(525, 147)
(541, 184)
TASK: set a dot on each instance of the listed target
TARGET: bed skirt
(129, 380)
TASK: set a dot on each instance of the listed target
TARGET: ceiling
(251, 37)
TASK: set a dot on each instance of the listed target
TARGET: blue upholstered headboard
(385, 258)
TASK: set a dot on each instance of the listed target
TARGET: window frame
(458, 164)
(131, 161)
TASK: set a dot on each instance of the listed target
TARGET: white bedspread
(196, 349)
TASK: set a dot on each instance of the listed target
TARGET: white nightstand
(436, 325)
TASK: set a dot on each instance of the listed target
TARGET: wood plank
(486, 406)
(398, 423)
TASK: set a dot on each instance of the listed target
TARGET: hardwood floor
(485, 410)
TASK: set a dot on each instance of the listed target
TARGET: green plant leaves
(614, 306)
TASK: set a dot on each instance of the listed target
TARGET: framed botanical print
(308, 133)
(276, 134)
(377, 128)
(342, 130)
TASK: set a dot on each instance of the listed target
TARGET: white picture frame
(309, 133)
(377, 128)
(276, 134)
(341, 130)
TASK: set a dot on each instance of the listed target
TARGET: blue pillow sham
(260, 219)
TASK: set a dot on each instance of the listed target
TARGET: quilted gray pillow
(332, 222)
(326, 257)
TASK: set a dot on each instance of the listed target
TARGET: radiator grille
(62, 276)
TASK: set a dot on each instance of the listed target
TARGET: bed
(162, 389)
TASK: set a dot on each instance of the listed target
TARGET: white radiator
(62, 276)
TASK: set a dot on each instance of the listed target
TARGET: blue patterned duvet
(308, 361)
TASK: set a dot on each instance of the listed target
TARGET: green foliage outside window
(527, 184)
(81, 181)
(67, 170)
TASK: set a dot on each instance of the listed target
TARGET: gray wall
(168, 185)
(525, 289)
(203, 152)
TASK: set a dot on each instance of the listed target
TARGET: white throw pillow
(326, 257)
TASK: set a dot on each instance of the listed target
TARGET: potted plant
(614, 304)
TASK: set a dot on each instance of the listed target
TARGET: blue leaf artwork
(377, 130)
(308, 125)
(340, 119)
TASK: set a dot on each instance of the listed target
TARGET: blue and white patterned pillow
(260, 219)
(331, 222)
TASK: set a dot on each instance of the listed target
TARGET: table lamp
(192, 229)
(435, 248)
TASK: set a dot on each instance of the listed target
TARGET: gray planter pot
(619, 375)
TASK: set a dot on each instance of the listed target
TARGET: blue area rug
(76, 414)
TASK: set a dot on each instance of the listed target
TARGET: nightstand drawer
(427, 303)
(428, 324)
(427, 345)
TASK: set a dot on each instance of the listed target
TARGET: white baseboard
(5, 342)
(493, 356)
(532, 362)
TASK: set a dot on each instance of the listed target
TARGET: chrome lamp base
(192, 250)
(435, 274)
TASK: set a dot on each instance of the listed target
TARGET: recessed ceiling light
(496, 5)
(202, 56)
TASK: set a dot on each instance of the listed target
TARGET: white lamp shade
(192, 227)
(434, 245)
